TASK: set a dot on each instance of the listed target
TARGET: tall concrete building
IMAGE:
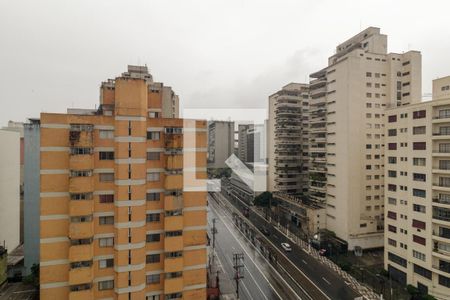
(220, 143)
(245, 149)
(287, 139)
(9, 189)
(441, 88)
(348, 100)
(31, 207)
(122, 213)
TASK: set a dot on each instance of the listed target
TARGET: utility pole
(238, 265)
(214, 231)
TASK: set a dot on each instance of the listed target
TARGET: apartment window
(369, 95)
(153, 114)
(397, 259)
(392, 118)
(155, 237)
(174, 254)
(392, 242)
(174, 233)
(418, 224)
(392, 160)
(444, 113)
(392, 146)
(419, 114)
(419, 240)
(109, 198)
(153, 279)
(106, 263)
(174, 296)
(175, 212)
(406, 63)
(106, 220)
(153, 155)
(78, 242)
(106, 134)
(80, 287)
(418, 255)
(392, 228)
(154, 176)
(444, 281)
(422, 271)
(419, 177)
(444, 164)
(106, 242)
(419, 130)
(392, 173)
(81, 219)
(392, 132)
(80, 150)
(80, 173)
(392, 187)
(444, 148)
(368, 146)
(419, 193)
(153, 196)
(106, 155)
(368, 74)
(106, 177)
(392, 215)
(418, 161)
(156, 217)
(444, 130)
(153, 258)
(153, 135)
(418, 208)
(80, 196)
(419, 145)
(105, 285)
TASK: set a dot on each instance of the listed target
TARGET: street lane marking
(324, 279)
(304, 262)
(268, 263)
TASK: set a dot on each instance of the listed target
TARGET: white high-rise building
(348, 101)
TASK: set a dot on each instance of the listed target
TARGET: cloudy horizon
(215, 54)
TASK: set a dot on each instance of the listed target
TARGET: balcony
(80, 275)
(173, 264)
(173, 285)
(81, 295)
(81, 252)
(173, 202)
(174, 162)
(319, 92)
(173, 223)
(173, 182)
(174, 243)
(81, 207)
(81, 161)
(81, 137)
(81, 184)
(173, 141)
(81, 230)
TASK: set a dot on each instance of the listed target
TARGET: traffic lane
(300, 282)
(228, 244)
(325, 278)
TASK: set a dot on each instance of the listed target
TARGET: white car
(286, 247)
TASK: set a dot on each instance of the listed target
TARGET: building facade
(245, 144)
(417, 204)
(348, 100)
(10, 189)
(220, 143)
(123, 214)
(31, 199)
(287, 140)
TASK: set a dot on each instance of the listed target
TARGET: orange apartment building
(123, 203)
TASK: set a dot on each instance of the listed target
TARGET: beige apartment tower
(123, 206)
(348, 100)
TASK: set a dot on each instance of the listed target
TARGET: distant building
(441, 88)
(9, 189)
(31, 194)
(245, 145)
(3, 265)
(220, 143)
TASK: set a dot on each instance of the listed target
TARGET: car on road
(286, 247)
(323, 252)
(265, 231)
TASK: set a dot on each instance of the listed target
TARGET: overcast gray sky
(222, 54)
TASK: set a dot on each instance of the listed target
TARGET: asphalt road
(261, 281)
(323, 278)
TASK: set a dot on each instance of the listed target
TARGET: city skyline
(208, 55)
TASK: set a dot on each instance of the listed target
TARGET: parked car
(286, 247)
(265, 231)
(323, 252)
